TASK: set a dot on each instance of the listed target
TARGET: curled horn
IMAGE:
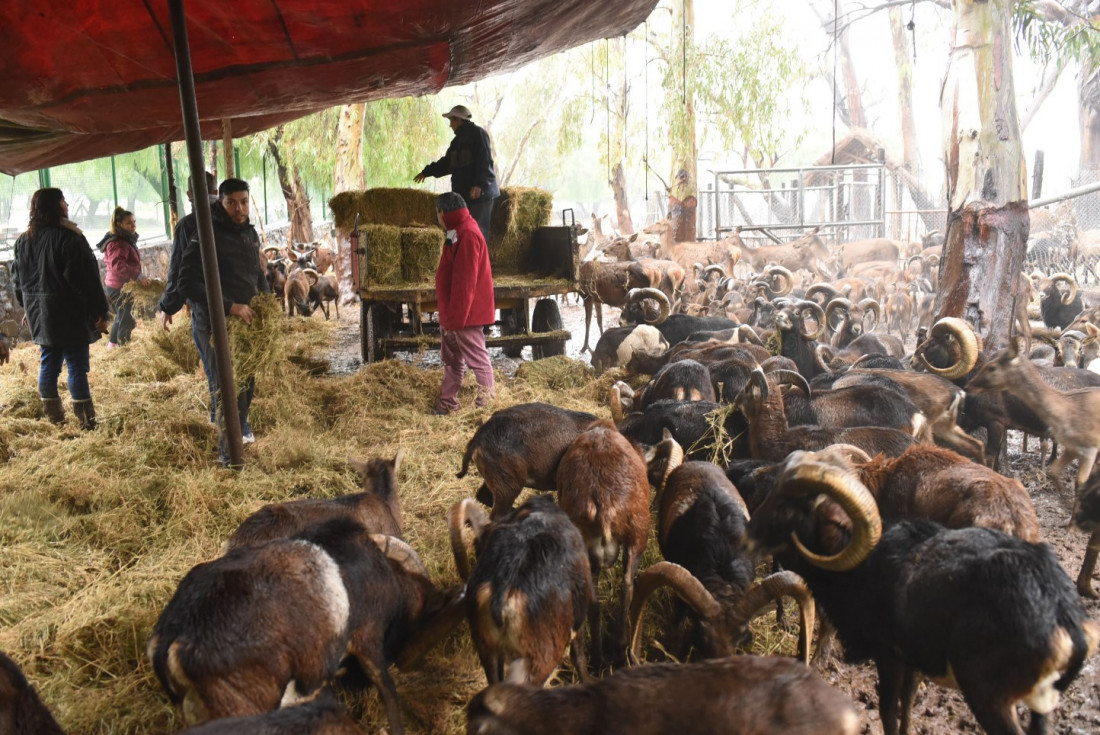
(615, 403)
(823, 355)
(271, 249)
(785, 276)
(311, 275)
(819, 314)
(400, 552)
(918, 258)
(791, 377)
(465, 511)
(637, 294)
(780, 584)
(872, 306)
(1069, 296)
(825, 289)
(686, 586)
(675, 457)
(712, 269)
(968, 347)
(843, 305)
(933, 260)
(697, 268)
(801, 477)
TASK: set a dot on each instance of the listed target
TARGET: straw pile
(99, 527)
(517, 214)
(420, 251)
(383, 243)
(145, 297)
(400, 207)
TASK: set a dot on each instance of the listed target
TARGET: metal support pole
(263, 161)
(171, 207)
(206, 233)
(227, 146)
(44, 179)
(114, 179)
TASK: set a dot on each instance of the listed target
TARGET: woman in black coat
(57, 283)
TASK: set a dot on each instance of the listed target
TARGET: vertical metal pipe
(171, 207)
(114, 179)
(206, 233)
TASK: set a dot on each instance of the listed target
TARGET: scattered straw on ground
(99, 527)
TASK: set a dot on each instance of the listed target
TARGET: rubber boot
(85, 411)
(53, 409)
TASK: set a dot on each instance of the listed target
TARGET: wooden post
(227, 145)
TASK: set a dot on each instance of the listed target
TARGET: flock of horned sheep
(783, 419)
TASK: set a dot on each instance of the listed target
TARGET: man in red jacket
(464, 288)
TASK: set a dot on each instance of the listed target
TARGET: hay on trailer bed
(420, 251)
(383, 245)
(516, 215)
(382, 206)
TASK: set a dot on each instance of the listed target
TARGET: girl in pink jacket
(123, 264)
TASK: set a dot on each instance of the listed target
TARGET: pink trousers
(460, 348)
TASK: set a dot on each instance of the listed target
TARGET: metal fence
(1065, 231)
(138, 182)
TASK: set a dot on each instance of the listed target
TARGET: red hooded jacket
(464, 280)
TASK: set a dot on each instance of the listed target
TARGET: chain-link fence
(1065, 234)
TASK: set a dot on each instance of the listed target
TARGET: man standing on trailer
(469, 161)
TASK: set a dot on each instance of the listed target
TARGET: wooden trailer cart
(399, 317)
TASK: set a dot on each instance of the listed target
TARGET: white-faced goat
(620, 345)
(772, 438)
(528, 593)
(747, 695)
(603, 487)
(700, 529)
(21, 711)
(377, 508)
(322, 716)
(268, 625)
(952, 604)
(521, 446)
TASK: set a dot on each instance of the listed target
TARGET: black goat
(21, 711)
(529, 591)
(954, 605)
(1060, 309)
(519, 447)
(691, 423)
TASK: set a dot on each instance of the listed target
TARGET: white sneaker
(248, 438)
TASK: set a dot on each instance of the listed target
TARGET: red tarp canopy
(88, 78)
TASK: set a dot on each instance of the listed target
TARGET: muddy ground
(936, 711)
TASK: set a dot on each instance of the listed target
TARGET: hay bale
(398, 207)
(383, 243)
(420, 251)
(517, 214)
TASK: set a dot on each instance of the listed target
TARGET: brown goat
(521, 446)
(602, 486)
(606, 283)
(268, 625)
(377, 508)
(747, 695)
(322, 716)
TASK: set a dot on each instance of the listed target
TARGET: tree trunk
(349, 176)
(853, 97)
(297, 202)
(683, 193)
(904, 60)
(622, 204)
(1089, 100)
(987, 218)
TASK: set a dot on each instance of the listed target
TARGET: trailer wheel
(374, 326)
(511, 322)
(546, 318)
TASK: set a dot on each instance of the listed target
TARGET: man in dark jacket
(56, 280)
(464, 290)
(469, 161)
(238, 250)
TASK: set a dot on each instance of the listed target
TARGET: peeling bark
(297, 202)
(987, 221)
(349, 176)
(684, 189)
(1089, 102)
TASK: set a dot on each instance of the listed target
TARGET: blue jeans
(200, 330)
(76, 360)
(124, 323)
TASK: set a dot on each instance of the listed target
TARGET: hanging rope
(912, 27)
(836, 11)
(645, 97)
(607, 99)
(684, 56)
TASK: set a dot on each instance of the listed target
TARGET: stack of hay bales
(404, 241)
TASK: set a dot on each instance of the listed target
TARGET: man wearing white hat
(469, 162)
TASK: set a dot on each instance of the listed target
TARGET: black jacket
(469, 161)
(238, 249)
(56, 280)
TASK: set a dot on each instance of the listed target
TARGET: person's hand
(144, 281)
(4, 354)
(164, 320)
(475, 192)
(243, 311)
(419, 178)
(102, 326)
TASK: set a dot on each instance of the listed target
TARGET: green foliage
(1058, 41)
(401, 136)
